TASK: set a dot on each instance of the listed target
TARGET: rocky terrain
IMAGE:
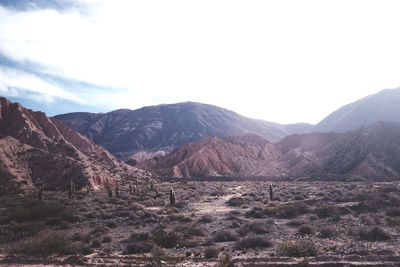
(372, 152)
(165, 127)
(382, 106)
(237, 223)
(35, 149)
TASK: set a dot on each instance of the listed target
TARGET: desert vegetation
(193, 221)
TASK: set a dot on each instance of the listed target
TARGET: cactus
(151, 186)
(271, 196)
(109, 191)
(116, 190)
(71, 189)
(40, 193)
(172, 197)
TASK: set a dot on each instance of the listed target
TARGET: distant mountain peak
(382, 106)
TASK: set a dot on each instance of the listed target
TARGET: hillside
(35, 149)
(248, 155)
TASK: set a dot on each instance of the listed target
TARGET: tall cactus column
(271, 193)
(172, 197)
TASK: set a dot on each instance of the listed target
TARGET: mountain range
(35, 149)
(191, 140)
(142, 133)
(165, 127)
(372, 152)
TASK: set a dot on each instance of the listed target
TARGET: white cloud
(19, 83)
(16, 83)
(284, 61)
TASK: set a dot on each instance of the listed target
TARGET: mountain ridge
(167, 126)
(382, 106)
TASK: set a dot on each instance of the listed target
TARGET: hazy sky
(284, 61)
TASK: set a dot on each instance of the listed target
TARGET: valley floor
(211, 224)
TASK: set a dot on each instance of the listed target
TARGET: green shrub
(112, 225)
(327, 232)
(236, 201)
(26, 229)
(96, 243)
(45, 244)
(296, 223)
(326, 212)
(255, 212)
(158, 255)
(301, 248)
(374, 234)
(54, 221)
(251, 242)
(140, 236)
(99, 231)
(225, 261)
(190, 231)
(85, 250)
(106, 239)
(288, 211)
(305, 229)
(393, 221)
(225, 236)
(36, 211)
(393, 212)
(258, 228)
(138, 247)
(180, 218)
(166, 239)
(77, 236)
(205, 219)
(211, 253)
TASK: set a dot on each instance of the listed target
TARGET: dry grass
(210, 220)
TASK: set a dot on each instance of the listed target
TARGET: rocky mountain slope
(165, 127)
(383, 106)
(248, 155)
(373, 152)
(370, 152)
(35, 149)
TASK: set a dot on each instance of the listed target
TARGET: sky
(286, 61)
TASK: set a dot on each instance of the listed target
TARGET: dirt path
(217, 205)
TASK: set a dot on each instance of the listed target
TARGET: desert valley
(191, 184)
(180, 133)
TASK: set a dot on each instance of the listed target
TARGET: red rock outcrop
(248, 155)
(372, 153)
(36, 149)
